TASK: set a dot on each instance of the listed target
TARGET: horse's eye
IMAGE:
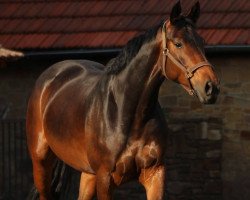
(178, 45)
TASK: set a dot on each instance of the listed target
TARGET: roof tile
(9, 9)
(231, 36)
(49, 40)
(93, 24)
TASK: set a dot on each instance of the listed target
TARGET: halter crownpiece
(189, 71)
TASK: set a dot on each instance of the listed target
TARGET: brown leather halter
(189, 71)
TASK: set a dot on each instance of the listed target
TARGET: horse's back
(60, 74)
(67, 70)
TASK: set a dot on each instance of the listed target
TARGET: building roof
(65, 24)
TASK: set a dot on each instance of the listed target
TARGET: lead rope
(189, 72)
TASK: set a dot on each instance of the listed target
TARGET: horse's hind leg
(87, 186)
(43, 161)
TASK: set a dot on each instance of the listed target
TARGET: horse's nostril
(209, 88)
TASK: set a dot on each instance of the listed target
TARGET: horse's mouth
(208, 99)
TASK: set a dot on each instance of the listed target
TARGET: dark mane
(128, 52)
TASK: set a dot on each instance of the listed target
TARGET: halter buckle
(165, 51)
(189, 74)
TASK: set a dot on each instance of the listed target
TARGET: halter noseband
(189, 71)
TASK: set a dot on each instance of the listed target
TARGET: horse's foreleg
(87, 186)
(43, 160)
(153, 180)
(104, 185)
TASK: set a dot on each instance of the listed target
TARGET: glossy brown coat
(108, 124)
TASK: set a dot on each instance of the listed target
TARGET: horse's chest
(134, 159)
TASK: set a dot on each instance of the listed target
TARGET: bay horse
(106, 122)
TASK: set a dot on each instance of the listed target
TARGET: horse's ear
(175, 13)
(194, 12)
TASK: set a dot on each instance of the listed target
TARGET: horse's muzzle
(211, 93)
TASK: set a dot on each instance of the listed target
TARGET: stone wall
(233, 107)
(194, 159)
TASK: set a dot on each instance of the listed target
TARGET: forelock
(181, 25)
(183, 21)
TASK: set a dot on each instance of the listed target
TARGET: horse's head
(184, 60)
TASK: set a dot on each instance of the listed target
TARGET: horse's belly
(71, 152)
(63, 123)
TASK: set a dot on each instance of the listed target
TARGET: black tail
(33, 194)
(58, 174)
(65, 183)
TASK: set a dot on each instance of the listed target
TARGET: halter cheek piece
(189, 71)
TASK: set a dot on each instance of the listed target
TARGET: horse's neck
(138, 84)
